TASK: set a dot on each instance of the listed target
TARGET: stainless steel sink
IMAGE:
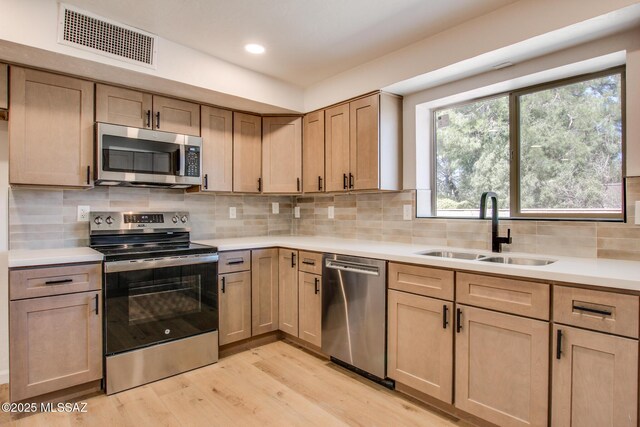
(456, 255)
(517, 260)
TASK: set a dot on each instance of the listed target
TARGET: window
(549, 151)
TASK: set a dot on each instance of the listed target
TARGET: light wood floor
(277, 384)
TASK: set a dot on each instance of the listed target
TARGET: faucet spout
(496, 240)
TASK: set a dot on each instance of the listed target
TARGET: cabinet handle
(351, 180)
(293, 259)
(97, 303)
(317, 285)
(344, 181)
(458, 320)
(593, 310)
(89, 175)
(206, 181)
(259, 184)
(445, 322)
(308, 261)
(235, 261)
(158, 120)
(298, 184)
(57, 282)
(223, 285)
(558, 344)
(319, 183)
(148, 118)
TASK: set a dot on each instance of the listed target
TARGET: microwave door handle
(180, 171)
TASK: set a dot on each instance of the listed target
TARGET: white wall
(4, 272)
(28, 35)
(610, 51)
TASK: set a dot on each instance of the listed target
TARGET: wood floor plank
(277, 384)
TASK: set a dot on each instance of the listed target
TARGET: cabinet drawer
(431, 282)
(601, 311)
(310, 262)
(45, 281)
(529, 299)
(231, 262)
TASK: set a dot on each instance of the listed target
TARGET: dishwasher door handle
(352, 267)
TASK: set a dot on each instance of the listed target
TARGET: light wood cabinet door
(310, 307)
(234, 296)
(4, 86)
(502, 367)
(337, 147)
(288, 291)
(55, 343)
(247, 153)
(217, 151)
(174, 115)
(364, 141)
(51, 129)
(282, 154)
(264, 291)
(420, 343)
(595, 379)
(313, 152)
(122, 106)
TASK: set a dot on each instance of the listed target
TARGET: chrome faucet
(496, 241)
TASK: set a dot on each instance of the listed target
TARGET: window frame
(514, 147)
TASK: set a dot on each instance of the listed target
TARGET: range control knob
(109, 220)
(175, 219)
(183, 219)
(98, 220)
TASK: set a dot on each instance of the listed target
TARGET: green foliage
(570, 149)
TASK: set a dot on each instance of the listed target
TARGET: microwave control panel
(192, 161)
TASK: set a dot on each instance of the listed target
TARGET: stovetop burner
(117, 253)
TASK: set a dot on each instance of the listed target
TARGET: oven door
(164, 302)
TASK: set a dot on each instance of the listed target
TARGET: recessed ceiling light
(254, 48)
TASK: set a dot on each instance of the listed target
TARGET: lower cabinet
(288, 291)
(595, 379)
(420, 343)
(234, 301)
(56, 343)
(264, 291)
(502, 367)
(310, 308)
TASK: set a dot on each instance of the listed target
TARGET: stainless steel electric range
(160, 296)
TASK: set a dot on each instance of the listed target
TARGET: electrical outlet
(232, 212)
(407, 212)
(638, 212)
(275, 208)
(332, 212)
(83, 213)
(296, 212)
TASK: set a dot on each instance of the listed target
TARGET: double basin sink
(499, 259)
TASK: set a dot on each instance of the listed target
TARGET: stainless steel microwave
(127, 156)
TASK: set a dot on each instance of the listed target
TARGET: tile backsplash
(47, 219)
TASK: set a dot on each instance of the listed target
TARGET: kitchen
(303, 180)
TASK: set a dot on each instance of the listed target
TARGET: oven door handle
(151, 263)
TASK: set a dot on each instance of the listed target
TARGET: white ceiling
(306, 40)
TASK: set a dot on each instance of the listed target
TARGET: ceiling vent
(92, 33)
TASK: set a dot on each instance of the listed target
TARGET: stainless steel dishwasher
(354, 303)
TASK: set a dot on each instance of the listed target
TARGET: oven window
(164, 299)
(120, 154)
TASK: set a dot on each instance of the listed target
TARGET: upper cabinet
(313, 152)
(363, 144)
(4, 86)
(51, 129)
(142, 110)
(247, 153)
(217, 151)
(282, 154)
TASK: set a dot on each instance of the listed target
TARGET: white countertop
(588, 271)
(32, 258)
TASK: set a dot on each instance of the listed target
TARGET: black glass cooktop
(138, 251)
